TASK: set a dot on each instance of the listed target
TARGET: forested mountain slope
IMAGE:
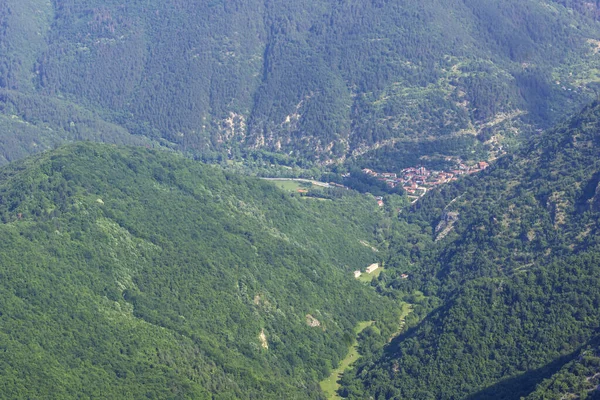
(578, 379)
(515, 261)
(127, 273)
(321, 79)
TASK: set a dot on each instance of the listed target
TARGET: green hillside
(129, 269)
(128, 273)
(578, 379)
(513, 255)
(317, 79)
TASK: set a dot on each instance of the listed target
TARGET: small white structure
(372, 268)
(357, 274)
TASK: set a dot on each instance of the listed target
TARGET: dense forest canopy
(130, 269)
(318, 79)
(129, 273)
(513, 255)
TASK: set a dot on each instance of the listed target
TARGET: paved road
(316, 183)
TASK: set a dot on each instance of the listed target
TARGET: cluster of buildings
(416, 180)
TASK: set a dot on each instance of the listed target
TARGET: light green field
(293, 186)
(290, 186)
(366, 278)
(330, 385)
(315, 198)
(407, 308)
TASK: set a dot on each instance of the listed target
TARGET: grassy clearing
(315, 198)
(407, 308)
(330, 385)
(366, 278)
(294, 186)
(290, 186)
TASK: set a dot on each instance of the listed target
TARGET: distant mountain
(128, 273)
(513, 256)
(317, 79)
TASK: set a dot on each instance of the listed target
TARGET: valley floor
(330, 385)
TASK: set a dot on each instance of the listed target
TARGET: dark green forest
(319, 80)
(577, 379)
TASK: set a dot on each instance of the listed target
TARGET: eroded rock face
(446, 224)
(312, 321)
(264, 343)
(589, 198)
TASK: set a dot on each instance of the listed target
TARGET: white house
(372, 268)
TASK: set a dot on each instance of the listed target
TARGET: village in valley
(417, 180)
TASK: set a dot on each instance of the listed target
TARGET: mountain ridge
(320, 80)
